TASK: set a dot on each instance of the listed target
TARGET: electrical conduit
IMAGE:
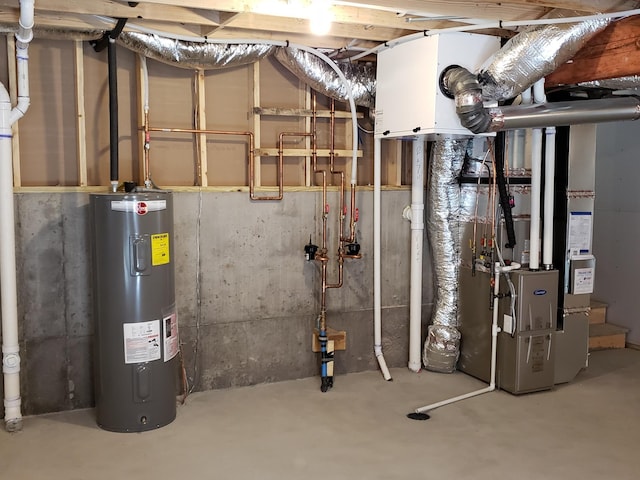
(8, 292)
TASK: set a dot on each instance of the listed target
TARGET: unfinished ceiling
(356, 23)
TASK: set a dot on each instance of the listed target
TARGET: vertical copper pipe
(146, 167)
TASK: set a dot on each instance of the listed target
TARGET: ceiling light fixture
(320, 16)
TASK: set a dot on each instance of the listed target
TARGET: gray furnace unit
(526, 346)
(136, 328)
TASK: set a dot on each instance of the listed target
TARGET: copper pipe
(146, 166)
(251, 155)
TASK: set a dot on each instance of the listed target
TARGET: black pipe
(108, 40)
(113, 110)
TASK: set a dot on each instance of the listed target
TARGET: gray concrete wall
(247, 300)
(617, 224)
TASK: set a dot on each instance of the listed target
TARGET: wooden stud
(140, 108)
(13, 94)
(308, 174)
(201, 124)
(305, 152)
(398, 169)
(256, 122)
(81, 131)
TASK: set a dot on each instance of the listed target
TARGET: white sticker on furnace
(141, 341)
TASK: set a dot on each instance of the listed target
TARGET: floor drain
(418, 416)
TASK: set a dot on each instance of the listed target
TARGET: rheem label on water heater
(141, 341)
(138, 207)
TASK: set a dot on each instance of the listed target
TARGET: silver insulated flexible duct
(442, 347)
(631, 82)
(536, 52)
(322, 78)
(193, 55)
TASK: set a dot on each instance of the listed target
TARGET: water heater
(136, 331)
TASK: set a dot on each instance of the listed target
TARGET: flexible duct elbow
(467, 92)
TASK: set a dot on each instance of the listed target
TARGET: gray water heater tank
(136, 332)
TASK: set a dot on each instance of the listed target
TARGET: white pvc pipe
(498, 269)
(8, 292)
(536, 182)
(536, 177)
(417, 236)
(519, 136)
(377, 302)
(549, 174)
(8, 288)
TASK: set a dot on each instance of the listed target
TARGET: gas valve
(353, 249)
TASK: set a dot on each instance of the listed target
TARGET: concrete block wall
(247, 300)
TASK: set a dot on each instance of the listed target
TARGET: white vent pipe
(536, 183)
(8, 289)
(377, 303)
(549, 173)
(417, 241)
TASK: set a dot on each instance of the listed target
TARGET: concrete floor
(587, 429)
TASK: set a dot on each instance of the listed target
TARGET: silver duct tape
(322, 78)
(193, 55)
(620, 83)
(442, 349)
(443, 227)
(536, 52)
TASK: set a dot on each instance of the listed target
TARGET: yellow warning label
(160, 249)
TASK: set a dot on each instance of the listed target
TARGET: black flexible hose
(505, 202)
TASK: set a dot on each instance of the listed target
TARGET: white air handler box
(409, 101)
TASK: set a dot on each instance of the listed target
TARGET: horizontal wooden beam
(301, 112)
(304, 152)
(613, 53)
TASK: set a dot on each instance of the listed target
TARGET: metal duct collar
(442, 347)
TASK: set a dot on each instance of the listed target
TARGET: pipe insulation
(442, 347)
(535, 52)
(8, 284)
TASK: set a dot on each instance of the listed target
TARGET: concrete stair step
(606, 335)
(598, 313)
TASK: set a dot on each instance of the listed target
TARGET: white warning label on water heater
(171, 344)
(141, 341)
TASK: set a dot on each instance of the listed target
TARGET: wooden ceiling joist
(613, 53)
